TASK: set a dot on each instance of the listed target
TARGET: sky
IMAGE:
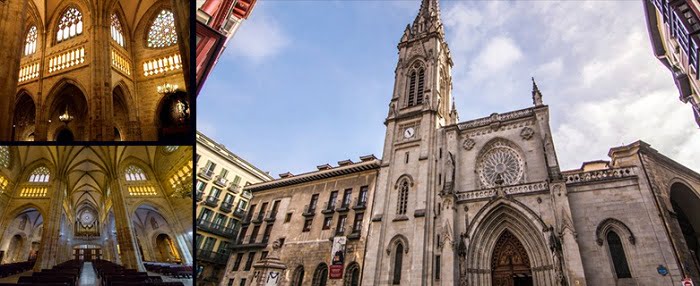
(304, 83)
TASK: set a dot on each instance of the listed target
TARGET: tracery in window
(416, 85)
(4, 156)
(117, 33)
(30, 41)
(134, 173)
(70, 25)
(162, 32)
(39, 175)
(500, 165)
(170, 149)
(403, 198)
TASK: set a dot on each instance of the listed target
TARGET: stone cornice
(224, 153)
(316, 175)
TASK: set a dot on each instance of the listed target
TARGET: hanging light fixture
(65, 117)
(167, 88)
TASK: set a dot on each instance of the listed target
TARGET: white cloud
(498, 54)
(259, 38)
(550, 70)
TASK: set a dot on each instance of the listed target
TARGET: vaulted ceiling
(133, 9)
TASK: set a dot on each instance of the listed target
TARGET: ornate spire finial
(536, 94)
(428, 18)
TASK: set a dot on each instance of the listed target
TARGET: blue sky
(304, 83)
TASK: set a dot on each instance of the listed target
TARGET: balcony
(249, 241)
(205, 173)
(309, 210)
(200, 196)
(217, 229)
(259, 218)
(355, 232)
(212, 256)
(328, 207)
(344, 206)
(226, 207)
(233, 188)
(211, 201)
(271, 216)
(239, 213)
(359, 205)
(220, 181)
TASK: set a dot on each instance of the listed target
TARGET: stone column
(12, 17)
(570, 262)
(125, 237)
(51, 236)
(101, 127)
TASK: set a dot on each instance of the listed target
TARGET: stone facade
(58, 202)
(484, 201)
(221, 204)
(103, 81)
(307, 212)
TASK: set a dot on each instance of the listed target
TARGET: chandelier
(167, 88)
(65, 117)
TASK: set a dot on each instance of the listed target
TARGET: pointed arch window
(30, 41)
(617, 253)
(134, 173)
(40, 175)
(162, 33)
(416, 86)
(70, 25)
(117, 32)
(402, 203)
(398, 262)
(320, 275)
(4, 156)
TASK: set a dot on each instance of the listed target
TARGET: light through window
(162, 32)
(70, 25)
(134, 173)
(117, 34)
(4, 156)
(40, 175)
(30, 42)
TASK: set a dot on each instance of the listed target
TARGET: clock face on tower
(409, 132)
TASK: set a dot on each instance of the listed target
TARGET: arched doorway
(320, 275)
(352, 275)
(173, 116)
(510, 265)
(685, 204)
(15, 249)
(67, 111)
(24, 118)
(120, 112)
(65, 135)
(87, 252)
(166, 249)
(22, 236)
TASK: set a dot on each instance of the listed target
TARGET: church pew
(45, 280)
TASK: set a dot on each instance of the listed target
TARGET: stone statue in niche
(462, 254)
(556, 248)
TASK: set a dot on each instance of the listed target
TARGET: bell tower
(399, 249)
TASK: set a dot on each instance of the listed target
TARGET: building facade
(221, 205)
(673, 30)
(120, 204)
(479, 202)
(308, 213)
(92, 70)
(217, 21)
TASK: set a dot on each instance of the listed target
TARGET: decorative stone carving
(468, 144)
(500, 165)
(526, 133)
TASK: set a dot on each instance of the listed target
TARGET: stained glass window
(70, 25)
(162, 32)
(40, 175)
(117, 34)
(170, 149)
(30, 42)
(4, 156)
(134, 173)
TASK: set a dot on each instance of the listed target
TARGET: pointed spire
(428, 18)
(536, 94)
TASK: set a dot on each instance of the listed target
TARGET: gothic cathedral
(484, 202)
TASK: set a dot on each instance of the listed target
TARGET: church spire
(427, 20)
(536, 94)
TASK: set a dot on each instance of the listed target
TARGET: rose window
(500, 166)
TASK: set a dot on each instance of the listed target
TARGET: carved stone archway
(510, 265)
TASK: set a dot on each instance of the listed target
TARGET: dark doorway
(64, 136)
(173, 117)
(510, 264)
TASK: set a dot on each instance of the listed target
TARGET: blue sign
(662, 270)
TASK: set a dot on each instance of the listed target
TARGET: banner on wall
(337, 257)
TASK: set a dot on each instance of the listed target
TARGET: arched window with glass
(398, 264)
(617, 253)
(40, 175)
(134, 174)
(69, 25)
(4, 156)
(416, 85)
(162, 32)
(402, 201)
(117, 32)
(30, 41)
